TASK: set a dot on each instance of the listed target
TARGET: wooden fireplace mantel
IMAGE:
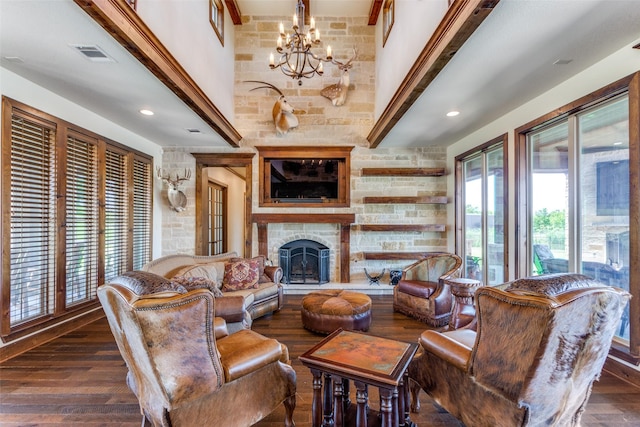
(345, 221)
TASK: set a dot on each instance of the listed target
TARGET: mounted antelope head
(337, 93)
(177, 198)
(282, 112)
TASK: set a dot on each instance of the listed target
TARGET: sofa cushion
(240, 275)
(417, 288)
(213, 271)
(261, 259)
(191, 283)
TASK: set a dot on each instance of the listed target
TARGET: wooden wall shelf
(403, 171)
(395, 255)
(414, 200)
(399, 227)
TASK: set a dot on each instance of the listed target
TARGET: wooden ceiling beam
(234, 11)
(374, 11)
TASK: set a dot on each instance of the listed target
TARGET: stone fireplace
(343, 221)
(304, 262)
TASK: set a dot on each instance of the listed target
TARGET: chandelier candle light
(296, 59)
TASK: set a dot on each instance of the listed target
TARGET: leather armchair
(184, 367)
(422, 292)
(538, 347)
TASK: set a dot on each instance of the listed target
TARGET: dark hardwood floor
(79, 379)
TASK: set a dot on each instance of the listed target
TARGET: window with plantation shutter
(142, 191)
(116, 214)
(82, 224)
(32, 236)
(76, 211)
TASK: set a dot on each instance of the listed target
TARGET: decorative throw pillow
(240, 275)
(191, 283)
(261, 259)
(213, 271)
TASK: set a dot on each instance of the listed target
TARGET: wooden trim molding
(205, 160)
(45, 335)
(457, 26)
(128, 29)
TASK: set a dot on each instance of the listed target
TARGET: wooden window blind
(142, 206)
(76, 211)
(116, 214)
(32, 215)
(82, 224)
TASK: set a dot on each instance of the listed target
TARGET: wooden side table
(367, 361)
(463, 311)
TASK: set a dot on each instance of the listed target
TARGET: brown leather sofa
(266, 298)
(539, 345)
(184, 367)
(422, 292)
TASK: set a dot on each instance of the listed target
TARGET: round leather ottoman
(326, 311)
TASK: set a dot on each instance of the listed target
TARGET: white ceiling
(527, 37)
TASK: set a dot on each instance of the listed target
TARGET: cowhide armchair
(538, 347)
(184, 367)
(422, 292)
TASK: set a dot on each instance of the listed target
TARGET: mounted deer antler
(282, 112)
(337, 93)
(177, 199)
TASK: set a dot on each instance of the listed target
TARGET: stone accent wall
(322, 124)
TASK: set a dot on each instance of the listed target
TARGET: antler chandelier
(296, 59)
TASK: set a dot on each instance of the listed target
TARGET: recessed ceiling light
(617, 143)
(193, 130)
(146, 112)
(562, 61)
(453, 113)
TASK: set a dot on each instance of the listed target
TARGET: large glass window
(63, 221)
(579, 196)
(481, 241)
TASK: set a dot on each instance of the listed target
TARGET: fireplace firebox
(304, 262)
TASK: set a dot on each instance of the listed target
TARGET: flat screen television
(612, 186)
(304, 180)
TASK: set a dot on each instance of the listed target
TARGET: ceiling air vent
(92, 53)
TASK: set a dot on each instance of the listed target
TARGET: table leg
(338, 416)
(404, 407)
(346, 398)
(316, 405)
(362, 400)
(328, 396)
(386, 407)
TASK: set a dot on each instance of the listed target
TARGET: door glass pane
(495, 217)
(473, 190)
(549, 199)
(603, 135)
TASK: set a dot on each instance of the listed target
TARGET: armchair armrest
(220, 327)
(453, 347)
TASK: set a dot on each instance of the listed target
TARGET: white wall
(414, 23)
(616, 66)
(184, 29)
